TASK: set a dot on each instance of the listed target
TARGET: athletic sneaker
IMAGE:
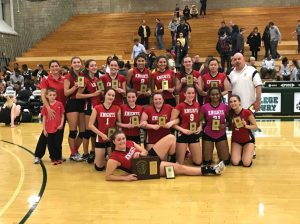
(76, 157)
(91, 157)
(54, 162)
(37, 160)
(85, 157)
(219, 167)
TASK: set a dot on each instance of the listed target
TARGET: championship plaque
(215, 125)
(146, 167)
(170, 174)
(165, 85)
(114, 84)
(144, 88)
(100, 85)
(80, 81)
(238, 122)
(193, 126)
(189, 79)
(135, 121)
(161, 120)
(214, 84)
(110, 132)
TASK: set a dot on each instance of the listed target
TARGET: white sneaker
(77, 157)
(219, 167)
(37, 160)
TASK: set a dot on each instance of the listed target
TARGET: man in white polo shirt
(245, 82)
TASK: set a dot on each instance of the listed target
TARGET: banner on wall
(297, 102)
(270, 103)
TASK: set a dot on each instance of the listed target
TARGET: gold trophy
(214, 84)
(215, 125)
(135, 121)
(193, 126)
(144, 88)
(170, 174)
(115, 84)
(238, 122)
(110, 132)
(80, 81)
(161, 121)
(100, 85)
(189, 80)
(165, 85)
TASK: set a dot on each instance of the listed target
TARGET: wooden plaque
(161, 120)
(146, 167)
(189, 80)
(80, 81)
(215, 125)
(100, 85)
(114, 84)
(135, 121)
(214, 84)
(193, 126)
(238, 122)
(170, 173)
(144, 88)
(110, 132)
(165, 85)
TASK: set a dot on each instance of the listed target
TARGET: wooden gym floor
(268, 192)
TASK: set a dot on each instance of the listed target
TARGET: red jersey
(91, 87)
(209, 81)
(179, 76)
(52, 125)
(69, 77)
(158, 77)
(125, 157)
(242, 135)
(106, 118)
(140, 77)
(188, 113)
(58, 84)
(154, 136)
(126, 113)
(107, 81)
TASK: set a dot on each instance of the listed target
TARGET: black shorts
(75, 105)
(103, 145)
(188, 139)
(245, 143)
(5, 115)
(205, 137)
(136, 139)
(152, 152)
(143, 101)
(88, 109)
(171, 102)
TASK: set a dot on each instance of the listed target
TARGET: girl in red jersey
(242, 142)
(214, 111)
(151, 118)
(115, 81)
(189, 128)
(131, 114)
(125, 150)
(106, 115)
(92, 98)
(186, 69)
(163, 81)
(74, 109)
(139, 79)
(213, 79)
(56, 81)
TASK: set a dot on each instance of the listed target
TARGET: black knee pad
(81, 134)
(207, 162)
(99, 168)
(172, 158)
(248, 166)
(73, 134)
(87, 134)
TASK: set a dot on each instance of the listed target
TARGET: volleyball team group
(109, 114)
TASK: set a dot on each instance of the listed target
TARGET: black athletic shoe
(91, 157)
(85, 157)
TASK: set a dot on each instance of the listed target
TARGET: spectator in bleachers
(296, 70)
(137, 49)
(26, 72)
(39, 72)
(184, 44)
(4, 61)
(266, 40)
(173, 28)
(235, 31)
(240, 41)
(252, 62)
(254, 41)
(186, 12)
(185, 29)
(178, 54)
(203, 7)
(285, 70)
(6, 73)
(17, 81)
(151, 58)
(144, 32)
(275, 38)
(177, 11)
(194, 11)
(159, 34)
(223, 48)
(196, 63)
(297, 32)
(268, 69)
(122, 69)
(64, 70)
(106, 66)
(224, 29)
(127, 65)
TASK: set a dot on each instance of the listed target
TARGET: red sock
(74, 151)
